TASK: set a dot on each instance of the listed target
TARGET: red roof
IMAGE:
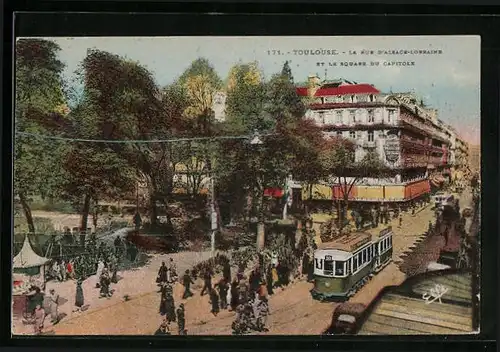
(362, 88)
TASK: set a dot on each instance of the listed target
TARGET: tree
(129, 102)
(253, 105)
(38, 96)
(339, 163)
(201, 67)
(93, 170)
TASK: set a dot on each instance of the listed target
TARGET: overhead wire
(125, 141)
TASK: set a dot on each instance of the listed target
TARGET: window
(360, 259)
(352, 134)
(338, 115)
(355, 264)
(371, 97)
(365, 258)
(339, 133)
(390, 115)
(371, 136)
(352, 98)
(348, 267)
(321, 115)
(352, 115)
(339, 268)
(328, 267)
(371, 116)
(390, 241)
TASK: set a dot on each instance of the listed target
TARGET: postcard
(246, 186)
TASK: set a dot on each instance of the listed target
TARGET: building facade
(408, 136)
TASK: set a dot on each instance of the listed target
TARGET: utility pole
(213, 214)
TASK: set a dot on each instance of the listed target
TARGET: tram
(343, 266)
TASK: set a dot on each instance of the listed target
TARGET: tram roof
(349, 242)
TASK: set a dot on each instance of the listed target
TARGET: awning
(27, 258)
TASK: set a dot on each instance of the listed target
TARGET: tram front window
(339, 268)
(328, 267)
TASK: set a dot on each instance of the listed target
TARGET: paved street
(293, 311)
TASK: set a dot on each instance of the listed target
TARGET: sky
(448, 81)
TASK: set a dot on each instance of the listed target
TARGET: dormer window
(352, 98)
(372, 98)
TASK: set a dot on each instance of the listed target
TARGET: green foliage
(39, 98)
(201, 67)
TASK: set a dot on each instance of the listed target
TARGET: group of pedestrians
(166, 278)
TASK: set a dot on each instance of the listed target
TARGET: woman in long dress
(79, 299)
(170, 309)
(163, 301)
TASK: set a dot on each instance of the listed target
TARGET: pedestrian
(137, 220)
(214, 300)
(181, 320)
(162, 276)
(269, 280)
(207, 281)
(79, 299)
(242, 292)
(62, 270)
(100, 268)
(163, 301)
(118, 246)
(170, 308)
(223, 289)
(39, 314)
(56, 270)
(173, 270)
(275, 276)
(226, 271)
(400, 220)
(104, 283)
(36, 298)
(262, 292)
(234, 294)
(187, 281)
(69, 270)
(229, 296)
(254, 280)
(54, 305)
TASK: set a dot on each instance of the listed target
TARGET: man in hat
(187, 281)
(162, 277)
